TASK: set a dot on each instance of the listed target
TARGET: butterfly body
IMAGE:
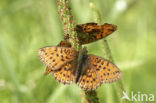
(81, 63)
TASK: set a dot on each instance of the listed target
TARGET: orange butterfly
(91, 32)
(68, 65)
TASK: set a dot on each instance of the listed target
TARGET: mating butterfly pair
(87, 71)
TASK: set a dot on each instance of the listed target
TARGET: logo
(138, 96)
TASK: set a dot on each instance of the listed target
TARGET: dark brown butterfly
(91, 32)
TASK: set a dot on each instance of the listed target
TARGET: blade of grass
(107, 52)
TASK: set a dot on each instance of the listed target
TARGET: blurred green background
(27, 25)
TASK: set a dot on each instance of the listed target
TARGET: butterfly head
(82, 55)
(83, 51)
(78, 28)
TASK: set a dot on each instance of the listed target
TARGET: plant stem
(107, 54)
(67, 19)
(65, 14)
(118, 85)
(90, 97)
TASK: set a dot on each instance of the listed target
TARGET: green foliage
(26, 26)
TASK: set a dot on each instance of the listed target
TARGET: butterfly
(91, 32)
(68, 65)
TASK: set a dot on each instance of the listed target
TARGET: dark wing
(91, 32)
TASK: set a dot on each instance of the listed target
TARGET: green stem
(65, 14)
(118, 85)
(67, 19)
(90, 97)
(107, 54)
(107, 51)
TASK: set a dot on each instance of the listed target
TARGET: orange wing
(87, 28)
(65, 74)
(91, 32)
(89, 80)
(106, 71)
(56, 57)
(97, 71)
(86, 77)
